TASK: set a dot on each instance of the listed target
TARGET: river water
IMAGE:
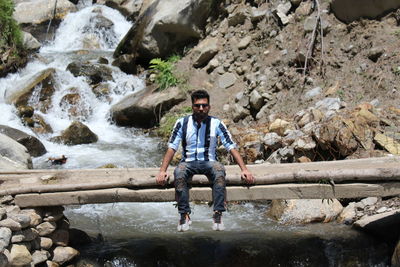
(144, 234)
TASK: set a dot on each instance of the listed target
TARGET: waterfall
(91, 33)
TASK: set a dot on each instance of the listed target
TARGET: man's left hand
(248, 177)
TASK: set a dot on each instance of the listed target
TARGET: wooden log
(63, 184)
(234, 193)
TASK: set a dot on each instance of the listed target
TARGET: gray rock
(272, 141)
(30, 42)
(204, 52)
(237, 18)
(239, 113)
(143, 108)
(305, 143)
(329, 104)
(284, 8)
(5, 237)
(375, 53)
(351, 10)
(313, 93)
(20, 255)
(213, 64)
(25, 235)
(348, 214)
(256, 100)
(305, 210)
(9, 223)
(64, 254)
(40, 256)
(226, 80)
(369, 201)
(3, 260)
(5, 200)
(382, 210)
(46, 243)
(94, 72)
(284, 154)
(257, 14)
(46, 228)
(77, 133)
(34, 146)
(39, 11)
(13, 155)
(22, 219)
(291, 135)
(309, 25)
(244, 43)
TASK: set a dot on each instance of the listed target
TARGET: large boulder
(94, 72)
(165, 26)
(305, 210)
(350, 10)
(77, 133)
(144, 108)
(13, 155)
(34, 146)
(22, 93)
(39, 11)
(205, 51)
(128, 8)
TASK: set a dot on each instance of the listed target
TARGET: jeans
(215, 173)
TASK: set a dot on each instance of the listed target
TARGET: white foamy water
(86, 35)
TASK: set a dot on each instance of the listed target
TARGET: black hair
(200, 94)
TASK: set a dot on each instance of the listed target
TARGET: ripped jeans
(215, 173)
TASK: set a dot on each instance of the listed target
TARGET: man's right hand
(162, 178)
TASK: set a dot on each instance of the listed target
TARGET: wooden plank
(235, 193)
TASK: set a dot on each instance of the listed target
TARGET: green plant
(164, 71)
(396, 70)
(396, 33)
(340, 94)
(10, 33)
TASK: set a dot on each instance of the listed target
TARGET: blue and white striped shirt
(199, 142)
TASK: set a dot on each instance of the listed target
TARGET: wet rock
(60, 237)
(25, 111)
(77, 133)
(5, 237)
(46, 228)
(13, 155)
(305, 210)
(384, 225)
(30, 42)
(20, 255)
(64, 254)
(40, 126)
(44, 80)
(226, 80)
(34, 146)
(348, 214)
(40, 256)
(205, 51)
(74, 106)
(94, 72)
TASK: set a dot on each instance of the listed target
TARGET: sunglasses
(200, 105)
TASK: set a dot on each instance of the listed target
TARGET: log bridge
(378, 177)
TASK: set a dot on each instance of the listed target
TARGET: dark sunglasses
(200, 105)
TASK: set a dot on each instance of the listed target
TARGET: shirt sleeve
(176, 135)
(226, 137)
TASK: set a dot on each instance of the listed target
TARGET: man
(199, 135)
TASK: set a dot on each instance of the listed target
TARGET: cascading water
(88, 34)
(143, 234)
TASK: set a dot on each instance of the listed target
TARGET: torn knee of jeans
(180, 184)
(218, 166)
(182, 166)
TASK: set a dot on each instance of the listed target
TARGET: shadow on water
(251, 248)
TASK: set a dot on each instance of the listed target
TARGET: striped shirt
(199, 142)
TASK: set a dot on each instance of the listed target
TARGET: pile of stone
(33, 236)
(327, 131)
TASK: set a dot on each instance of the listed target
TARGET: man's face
(200, 108)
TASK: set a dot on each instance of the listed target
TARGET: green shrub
(10, 33)
(164, 71)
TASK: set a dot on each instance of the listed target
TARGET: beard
(200, 116)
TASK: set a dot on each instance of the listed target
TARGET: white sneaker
(184, 223)
(218, 225)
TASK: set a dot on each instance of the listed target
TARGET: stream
(144, 234)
